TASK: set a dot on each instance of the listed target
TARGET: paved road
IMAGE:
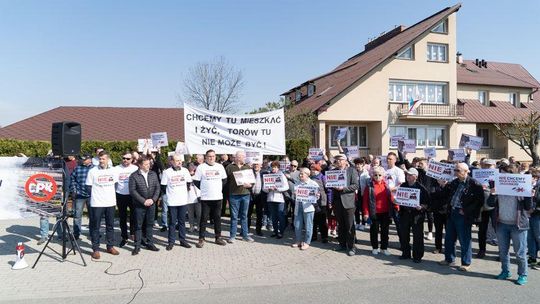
(267, 271)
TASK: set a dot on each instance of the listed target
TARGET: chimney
(483, 63)
(477, 62)
(383, 38)
(459, 58)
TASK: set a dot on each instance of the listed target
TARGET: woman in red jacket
(379, 207)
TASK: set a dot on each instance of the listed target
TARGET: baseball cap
(86, 156)
(339, 156)
(412, 171)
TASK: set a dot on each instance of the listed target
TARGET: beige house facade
(371, 92)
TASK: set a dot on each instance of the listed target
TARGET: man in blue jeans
(81, 196)
(239, 197)
(465, 198)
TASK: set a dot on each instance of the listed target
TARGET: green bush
(298, 148)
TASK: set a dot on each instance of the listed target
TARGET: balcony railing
(432, 110)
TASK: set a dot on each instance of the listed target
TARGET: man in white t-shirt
(175, 182)
(101, 182)
(394, 176)
(123, 199)
(210, 177)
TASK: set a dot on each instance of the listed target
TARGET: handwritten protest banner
(244, 176)
(430, 152)
(514, 184)
(336, 178)
(224, 133)
(159, 139)
(439, 170)
(407, 197)
(470, 141)
(456, 154)
(484, 176)
(407, 145)
(272, 180)
(316, 154)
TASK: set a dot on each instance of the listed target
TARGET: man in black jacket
(413, 218)
(144, 188)
(464, 198)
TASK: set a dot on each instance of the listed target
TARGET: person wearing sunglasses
(378, 206)
(464, 199)
(123, 199)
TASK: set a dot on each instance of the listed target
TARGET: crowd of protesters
(196, 192)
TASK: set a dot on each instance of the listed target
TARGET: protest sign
(144, 145)
(244, 176)
(407, 197)
(224, 133)
(407, 145)
(340, 134)
(159, 139)
(472, 142)
(439, 170)
(351, 152)
(284, 165)
(254, 157)
(384, 162)
(336, 178)
(30, 184)
(514, 184)
(271, 180)
(316, 154)
(306, 194)
(430, 152)
(395, 139)
(456, 154)
(181, 148)
(484, 176)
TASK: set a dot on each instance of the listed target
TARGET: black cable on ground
(122, 273)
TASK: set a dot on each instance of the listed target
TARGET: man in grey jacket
(343, 199)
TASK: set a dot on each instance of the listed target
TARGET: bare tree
(524, 132)
(214, 86)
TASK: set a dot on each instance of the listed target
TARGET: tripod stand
(61, 223)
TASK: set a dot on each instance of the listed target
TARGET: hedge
(296, 148)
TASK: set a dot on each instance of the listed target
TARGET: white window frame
(440, 87)
(310, 89)
(332, 143)
(444, 25)
(425, 129)
(401, 55)
(479, 133)
(513, 98)
(483, 97)
(439, 56)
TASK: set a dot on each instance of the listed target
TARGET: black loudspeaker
(66, 138)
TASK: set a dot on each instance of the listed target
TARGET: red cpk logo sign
(40, 187)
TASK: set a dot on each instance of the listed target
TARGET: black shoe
(259, 233)
(481, 254)
(404, 257)
(341, 248)
(136, 251)
(144, 243)
(324, 241)
(274, 235)
(279, 236)
(152, 247)
(163, 229)
(417, 260)
(185, 245)
(123, 243)
(169, 247)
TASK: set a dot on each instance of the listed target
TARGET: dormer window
(407, 53)
(441, 28)
(514, 99)
(298, 95)
(310, 89)
(483, 97)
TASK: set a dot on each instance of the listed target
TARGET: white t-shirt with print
(211, 181)
(176, 182)
(123, 178)
(394, 177)
(103, 188)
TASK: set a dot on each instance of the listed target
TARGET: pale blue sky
(136, 53)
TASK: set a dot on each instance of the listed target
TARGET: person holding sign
(412, 218)
(378, 206)
(239, 196)
(275, 185)
(307, 198)
(512, 225)
(210, 177)
(464, 198)
(175, 182)
(343, 199)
